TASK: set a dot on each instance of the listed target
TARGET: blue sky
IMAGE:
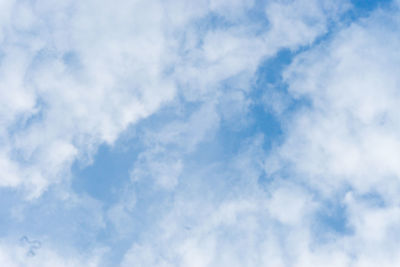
(199, 133)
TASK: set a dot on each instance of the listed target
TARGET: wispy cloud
(176, 81)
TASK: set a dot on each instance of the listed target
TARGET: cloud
(300, 22)
(16, 255)
(348, 134)
(78, 75)
(78, 81)
(339, 146)
(343, 143)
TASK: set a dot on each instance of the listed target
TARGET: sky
(203, 133)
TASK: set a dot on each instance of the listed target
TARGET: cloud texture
(229, 153)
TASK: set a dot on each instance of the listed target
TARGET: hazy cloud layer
(230, 154)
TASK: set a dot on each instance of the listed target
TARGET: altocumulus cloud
(238, 156)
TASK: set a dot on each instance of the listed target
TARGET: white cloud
(15, 255)
(349, 135)
(343, 139)
(232, 10)
(79, 73)
(289, 206)
(92, 69)
(226, 219)
(300, 22)
(346, 137)
(83, 76)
